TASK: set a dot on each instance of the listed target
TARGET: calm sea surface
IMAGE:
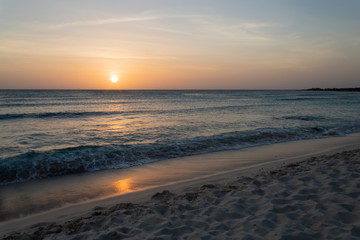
(48, 133)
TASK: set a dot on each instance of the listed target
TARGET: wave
(39, 165)
(55, 115)
(310, 98)
(53, 104)
(102, 113)
(305, 118)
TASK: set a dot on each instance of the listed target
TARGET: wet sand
(272, 192)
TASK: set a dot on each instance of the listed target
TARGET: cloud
(237, 31)
(135, 57)
(95, 22)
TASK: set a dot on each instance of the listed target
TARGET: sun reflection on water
(124, 185)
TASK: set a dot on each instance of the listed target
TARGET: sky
(187, 44)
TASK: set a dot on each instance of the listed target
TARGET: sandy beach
(296, 198)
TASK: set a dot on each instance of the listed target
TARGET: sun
(114, 78)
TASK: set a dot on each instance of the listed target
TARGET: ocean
(47, 133)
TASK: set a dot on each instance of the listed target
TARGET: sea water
(46, 133)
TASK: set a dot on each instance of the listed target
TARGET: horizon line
(167, 89)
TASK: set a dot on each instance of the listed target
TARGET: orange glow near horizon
(81, 73)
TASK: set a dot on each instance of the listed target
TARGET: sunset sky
(187, 44)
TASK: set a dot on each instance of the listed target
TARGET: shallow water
(23, 199)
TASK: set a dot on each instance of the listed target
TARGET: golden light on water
(123, 185)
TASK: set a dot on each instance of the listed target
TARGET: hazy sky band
(179, 44)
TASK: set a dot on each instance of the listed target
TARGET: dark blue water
(48, 133)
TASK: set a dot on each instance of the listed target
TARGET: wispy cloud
(134, 57)
(195, 25)
(224, 28)
(95, 22)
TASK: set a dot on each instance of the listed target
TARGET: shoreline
(280, 154)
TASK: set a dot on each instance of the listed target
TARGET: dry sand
(316, 198)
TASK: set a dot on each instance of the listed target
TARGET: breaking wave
(39, 165)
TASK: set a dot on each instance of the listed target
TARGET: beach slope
(315, 198)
